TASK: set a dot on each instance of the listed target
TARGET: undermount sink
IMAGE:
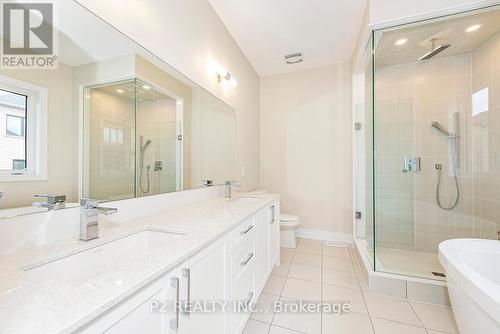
(81, 267)
(246, 199)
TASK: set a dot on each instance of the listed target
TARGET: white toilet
(288, 225)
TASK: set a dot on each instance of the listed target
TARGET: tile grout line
(362, 294)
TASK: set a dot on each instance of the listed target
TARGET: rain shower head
(440, 128)
(435, 50)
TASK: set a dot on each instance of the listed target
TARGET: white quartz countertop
(30, 305)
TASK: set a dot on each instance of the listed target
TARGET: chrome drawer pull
(244, 263)
(247, 230)
(187, 306)
(174, 323)
(249, 299)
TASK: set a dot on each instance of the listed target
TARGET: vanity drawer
(242, 285)
(243, 259)
(241, 233)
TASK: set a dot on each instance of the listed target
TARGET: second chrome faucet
(89, 214)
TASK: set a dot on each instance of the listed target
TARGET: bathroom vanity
(216, 251)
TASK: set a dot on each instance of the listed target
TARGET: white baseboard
(336, 237)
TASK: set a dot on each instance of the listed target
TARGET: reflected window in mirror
(22, 139)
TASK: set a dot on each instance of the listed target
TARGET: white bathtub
(473, 271)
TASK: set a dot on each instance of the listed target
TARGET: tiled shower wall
(408, 98)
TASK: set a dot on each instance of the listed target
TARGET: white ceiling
(445, 30)
(325, 31)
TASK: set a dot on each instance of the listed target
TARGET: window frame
(35, 130)
(23, 120)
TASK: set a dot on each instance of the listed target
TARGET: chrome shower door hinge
(358, 215)
(357, 126)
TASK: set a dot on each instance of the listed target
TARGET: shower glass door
(436, 130)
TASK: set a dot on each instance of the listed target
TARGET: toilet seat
(285, 217)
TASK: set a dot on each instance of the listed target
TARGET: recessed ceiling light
(473, 28)
(401, 41)
(146, 87)
(121, 91)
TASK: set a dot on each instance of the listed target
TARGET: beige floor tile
(337, 294)
(309, 248)
(307, 258)
(281, 330)
(309, 323)
(391, 308)
(337, 251)
(282, 269)
(306, 272)
(339, 263)
(265, 308)
(383, 326)
(300, 289)
(343, 278)
(435, 317)
(286, 254)
(303, 241)
(274, 285)
(256, 327)
(348, 323)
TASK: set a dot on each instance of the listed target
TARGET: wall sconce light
(223, 75)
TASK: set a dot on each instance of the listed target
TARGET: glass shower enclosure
(133, 133)
(431, 141)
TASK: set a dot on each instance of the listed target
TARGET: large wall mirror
(110, 121)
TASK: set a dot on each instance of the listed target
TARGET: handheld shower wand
(455, 161)
(143, 148)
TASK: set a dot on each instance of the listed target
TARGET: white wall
(306, 151)
(188, 34)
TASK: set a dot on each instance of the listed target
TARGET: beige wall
(306, 151)
(188, 34)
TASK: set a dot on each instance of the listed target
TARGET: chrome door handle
(249, 257)
(187, 307)
(174, 323)
(247, 230)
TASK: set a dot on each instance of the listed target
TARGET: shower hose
(439, 168)
(140, 179)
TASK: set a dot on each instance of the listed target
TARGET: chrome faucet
(207, 183)
(228, 186)
(54, 202)
(89, 214)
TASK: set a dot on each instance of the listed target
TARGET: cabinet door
(149, 311)
(274, 234)
(261, 248)
(203, 278)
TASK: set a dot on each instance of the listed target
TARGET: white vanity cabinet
(232, 270)
(203, 279)
(267, 243)
(146, 311)
(274, 234)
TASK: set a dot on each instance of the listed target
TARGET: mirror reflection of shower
(143, 148)
(134, 146)
(454, 145)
